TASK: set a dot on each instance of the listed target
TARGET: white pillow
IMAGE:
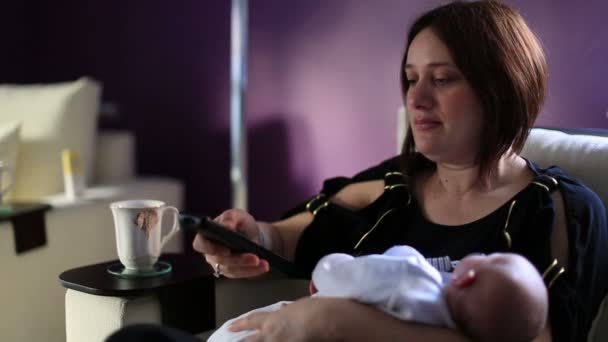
(582, 156)
(54, 117)
(9, 148)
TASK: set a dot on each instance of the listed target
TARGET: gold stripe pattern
(550, 270)
(505, 232)
(325, 204)
(309, 204)
(561, 270)
(551, 267)
(541, 185)
(373, 227)
(551, 179)
(391, 187)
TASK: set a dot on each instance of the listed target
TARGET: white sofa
(78, 232)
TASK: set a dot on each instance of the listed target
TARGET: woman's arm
(359, 322)
(559, 249)
(281, 237)
(333, 319)
(559, 235)
(286, 233)
(545, 335)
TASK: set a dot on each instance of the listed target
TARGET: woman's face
(443, 110)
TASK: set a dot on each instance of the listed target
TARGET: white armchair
(581, 153)
(78, 232)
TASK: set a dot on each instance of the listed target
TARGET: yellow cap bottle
(73, 173)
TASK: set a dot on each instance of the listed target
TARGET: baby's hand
(312, 288)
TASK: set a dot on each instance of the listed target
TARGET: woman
(473, 79)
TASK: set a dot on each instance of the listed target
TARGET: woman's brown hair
(502, 60)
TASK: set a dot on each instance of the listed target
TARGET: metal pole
(238, 82)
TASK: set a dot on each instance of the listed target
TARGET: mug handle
(9, 171)
(175, 227)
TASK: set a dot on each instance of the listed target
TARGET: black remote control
(236, 242)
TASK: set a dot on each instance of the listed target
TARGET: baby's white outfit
(400, 282)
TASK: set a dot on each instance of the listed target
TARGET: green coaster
(159, 269)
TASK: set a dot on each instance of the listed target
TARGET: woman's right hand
(233, 265)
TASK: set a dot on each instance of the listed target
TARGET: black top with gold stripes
(522, 225)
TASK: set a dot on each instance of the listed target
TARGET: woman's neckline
(469, 225)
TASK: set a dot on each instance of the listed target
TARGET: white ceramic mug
(5, 186)
(138, 225)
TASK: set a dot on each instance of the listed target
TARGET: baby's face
(479, 261)
(498, 293)
(475, 278)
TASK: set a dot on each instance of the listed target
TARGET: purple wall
(323, 82)
(575, 37)
(329, 70)
(165, 64)
(15, 56)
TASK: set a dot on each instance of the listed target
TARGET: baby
(499, 297)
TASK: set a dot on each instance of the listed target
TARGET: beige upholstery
(92, 318)
(9, 148)
(599, 329)
(582, 157)
(112, 167)
(233, 297)
(53, 117)
(78, 233)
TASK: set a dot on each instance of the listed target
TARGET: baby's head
(499, 297)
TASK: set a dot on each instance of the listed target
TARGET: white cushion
(54, 117)
(114, 157)
(94, 318)
(9, 147)
(581, 156)
(599, 328)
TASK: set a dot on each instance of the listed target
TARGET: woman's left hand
(302, 320)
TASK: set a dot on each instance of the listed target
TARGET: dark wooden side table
(28, 224)
(186, 294)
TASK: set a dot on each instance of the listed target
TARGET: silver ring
(216, 270)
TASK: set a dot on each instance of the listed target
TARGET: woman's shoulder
(368, 185)
(373, 173)
(575, 193)
(353, 192)
(359, 195)
(378, 171)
